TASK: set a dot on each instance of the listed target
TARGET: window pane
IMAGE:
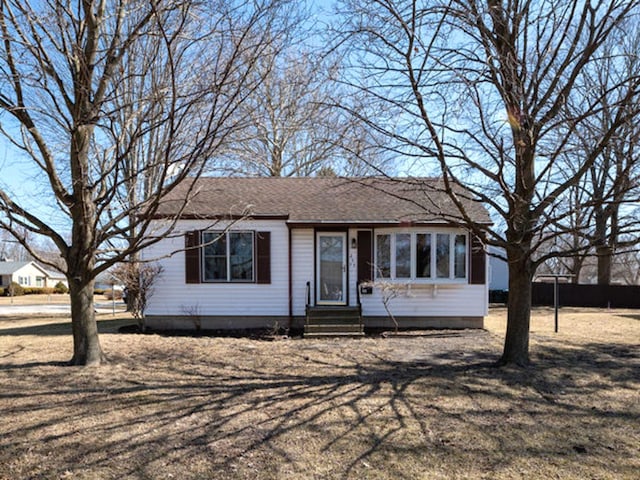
(215, 256)
(331, 258)
(383, 256)
(215, 268)
(214, 244)
(423, 255)
(403, 255)
(241, 255)
(442, 255)
(460, 259)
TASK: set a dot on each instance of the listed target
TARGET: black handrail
(307, 303)
(358, 301)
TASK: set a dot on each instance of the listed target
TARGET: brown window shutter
(263, 254)
(192, 256)
(478, 261)
(365, 256)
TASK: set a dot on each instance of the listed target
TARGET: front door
(331, 263)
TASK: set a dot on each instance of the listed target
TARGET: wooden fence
(571, 295)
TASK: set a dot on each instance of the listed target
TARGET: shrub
(38, 290)
(15, 289)
(99, 291)
(60, 288)
(109, 294)
(2, 289)
(139, 279)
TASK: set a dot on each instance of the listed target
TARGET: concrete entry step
(327, 321)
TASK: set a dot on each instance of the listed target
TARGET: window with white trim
(228, 256)
(427, 256)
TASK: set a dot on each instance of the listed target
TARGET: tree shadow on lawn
(339, 413)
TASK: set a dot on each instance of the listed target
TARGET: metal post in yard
(113, 299)
(555, 303)
(556, 294)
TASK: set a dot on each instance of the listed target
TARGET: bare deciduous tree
(606, 223)
(480, 89)
(293, 126)
(139, 279)
(10, 249)
(90, 88)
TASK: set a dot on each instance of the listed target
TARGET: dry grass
(424, 406)
(35, 299)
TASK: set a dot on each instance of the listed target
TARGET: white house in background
(250, 252)
(28, 274)
(498, 271)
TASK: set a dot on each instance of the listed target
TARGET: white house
(498, 271)
(253, 252)
(28, 274)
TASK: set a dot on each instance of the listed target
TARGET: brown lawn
(430, 405)
(35, 299)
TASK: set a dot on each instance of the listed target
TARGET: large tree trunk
(575, 270)
(86, 345)
(516, 345)
(603, 250)
(605, 255)
(81, 256)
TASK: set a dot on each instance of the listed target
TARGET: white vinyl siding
(420, 296)
(302, 265)
(435, 300)
(26, 276)
(173, 296)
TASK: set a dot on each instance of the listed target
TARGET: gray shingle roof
(7, 268)
(322, 200)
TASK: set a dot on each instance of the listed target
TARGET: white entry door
(331, 261)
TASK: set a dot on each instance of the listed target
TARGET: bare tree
(627, 267)
(10, 249)
(293, 126)
(89, 85)
(568, 251)
(613, 181)
(480, 89)
(139, 280)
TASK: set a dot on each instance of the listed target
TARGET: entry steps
(333, 321)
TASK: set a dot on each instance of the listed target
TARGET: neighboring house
(53, 278)
(28, 274)
(253, 252)
(498, 271)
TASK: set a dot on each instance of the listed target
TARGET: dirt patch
(429, 405)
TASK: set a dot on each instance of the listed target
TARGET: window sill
(228, 282)
(420, 283)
